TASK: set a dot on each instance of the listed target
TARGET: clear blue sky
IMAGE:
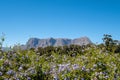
(22, 19)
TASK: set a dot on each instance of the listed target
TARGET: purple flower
(61, 68)
(10, 72)
(1, 73)
(64, 67)
(106, 77)
(82, 78)
(75, 66)
(17, 79)
(28, 78)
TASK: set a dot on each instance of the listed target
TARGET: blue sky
(22, 19)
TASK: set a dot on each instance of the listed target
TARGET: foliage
(88, 62)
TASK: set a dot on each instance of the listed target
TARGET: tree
(108, 42)
(2, 39)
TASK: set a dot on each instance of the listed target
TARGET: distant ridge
(36, 42)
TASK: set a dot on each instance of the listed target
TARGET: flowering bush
(60, 63)
(91, 65)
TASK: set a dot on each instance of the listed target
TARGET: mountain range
(36, 42)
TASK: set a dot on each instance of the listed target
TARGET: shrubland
(74, 62)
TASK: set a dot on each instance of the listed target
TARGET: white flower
(6, 79)
(96, 73)
(67, 78)
(75, 79)
(20, 68)
(100, 73)
(95, 65)
(88, 70)
(83, 68)
(55, 76)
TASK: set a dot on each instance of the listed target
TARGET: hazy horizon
(23, 19)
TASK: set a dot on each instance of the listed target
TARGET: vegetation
(87, 62)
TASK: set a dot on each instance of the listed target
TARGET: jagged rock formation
(36, 42)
